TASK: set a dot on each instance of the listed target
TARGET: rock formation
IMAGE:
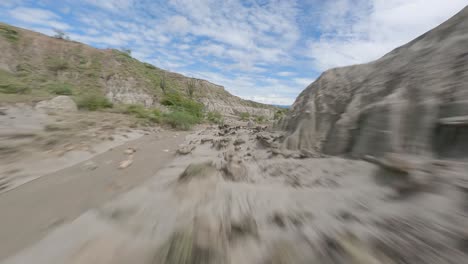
(59, 103)
(413, 100)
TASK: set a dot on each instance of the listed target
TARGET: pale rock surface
(59, 103)
(126, 91)
(394, 104)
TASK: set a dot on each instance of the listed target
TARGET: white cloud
(358, 31)
(178, 25)
(212, 49)
(272, 99)
(38, 17)
(248, 35)
(111, 5)
(10, 3)
(304, 82)
(286, 74)
(113, 40)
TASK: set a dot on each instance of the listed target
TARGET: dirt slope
(35, 64)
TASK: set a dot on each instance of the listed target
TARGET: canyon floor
(232, 194)
(32, 209)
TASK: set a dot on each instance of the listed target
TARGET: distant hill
(283, 106)
(33, 66)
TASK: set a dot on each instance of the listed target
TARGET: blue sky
(263, 50)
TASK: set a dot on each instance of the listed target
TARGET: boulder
(59, 103)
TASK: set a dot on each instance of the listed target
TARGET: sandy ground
(34, 143)
(32, 210)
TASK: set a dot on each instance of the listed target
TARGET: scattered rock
(204, 140)
(185, 149)
(59, 103)
(70, 148)
(129, 151)
(266, 140)
(221, 143)
(234, 168)
(90, 165)
(126, 163)
(239, 141)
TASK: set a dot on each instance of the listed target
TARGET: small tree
(191, 86)
(163, 84)
(60, 34)
(127, 51)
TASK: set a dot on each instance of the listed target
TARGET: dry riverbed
(32, 210)
(234, 195)
(34, 142)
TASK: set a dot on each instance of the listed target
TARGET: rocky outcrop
(399, 103)
(234, 108)
(59, 103)
(127, 91)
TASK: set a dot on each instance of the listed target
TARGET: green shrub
(149, 66)
(136, 110)
(94, 102)
(279, 114)
(10, 84)
(215, 118)
(244, 116)
(191, 87)
(152, 115)
(155, 116)
(8, 33)
(24, 68)
(260, 119)
(176, 102)
(14, 88)
(181, 120)
(61, 88)
(122, 56)
(57, 64)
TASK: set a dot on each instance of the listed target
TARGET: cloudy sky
(264, 50)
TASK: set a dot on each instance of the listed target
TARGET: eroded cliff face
(412, 100)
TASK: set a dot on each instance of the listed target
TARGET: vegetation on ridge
(58, 66)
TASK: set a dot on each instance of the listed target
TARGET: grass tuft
(260, 119)
(9, 33)
(9, 84)
(139, 111)
(181, 120)
(185, 113)
(61, 88)
(244, 116)
(94, 102)
(215, 118)
(57, 64)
